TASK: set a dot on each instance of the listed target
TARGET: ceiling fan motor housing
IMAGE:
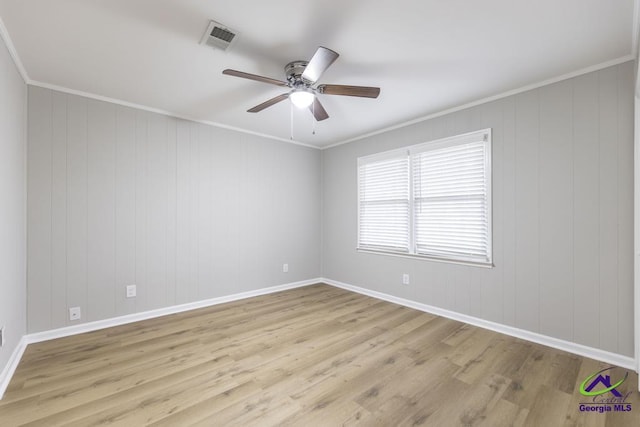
(293, 70)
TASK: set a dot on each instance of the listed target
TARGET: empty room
(319, 213)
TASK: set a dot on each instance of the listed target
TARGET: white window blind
(451, 202)
(431, 200)
(384, 204)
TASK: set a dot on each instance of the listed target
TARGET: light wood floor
(314, 356)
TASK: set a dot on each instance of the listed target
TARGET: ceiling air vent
(219, 36)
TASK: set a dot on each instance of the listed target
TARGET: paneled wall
(13, 195)
(185, 211)
(562, 214)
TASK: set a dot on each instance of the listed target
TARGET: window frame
(484, 135)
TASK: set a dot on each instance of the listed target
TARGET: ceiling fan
(301, 76)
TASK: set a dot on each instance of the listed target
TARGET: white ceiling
(425, 55)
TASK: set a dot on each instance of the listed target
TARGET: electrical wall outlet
(405, 279)
(74, 313)
(131, 291)
(2, 336)
(285, 268)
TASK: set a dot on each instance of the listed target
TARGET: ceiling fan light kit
(301, 76)
(301, 98)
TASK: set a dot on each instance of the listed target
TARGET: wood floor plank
(505, 414)
(316, 355)
(549, 407)
(479, 401)
(404, 393)
(443, 392)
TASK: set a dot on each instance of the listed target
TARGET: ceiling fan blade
(362, 91)
(268, 103)
(318, 110)
(321, 60)
(255, 77)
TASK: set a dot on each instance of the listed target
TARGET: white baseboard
(568, 346)
(12, 364)
(136, 317)
(593, 353)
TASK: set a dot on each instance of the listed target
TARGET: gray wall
(185, 211)
(13, 305)
(189, 212)
(562, 214)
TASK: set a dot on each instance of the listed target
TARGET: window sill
(427, 258)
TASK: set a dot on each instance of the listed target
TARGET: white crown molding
(12, 365)
(4, 34)
(163, 112)
(571, 347)
(492, 98)
(635, 42)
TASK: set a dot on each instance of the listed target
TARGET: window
(429, 200)
(384, 204)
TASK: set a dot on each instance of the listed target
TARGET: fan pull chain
(313, 118)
